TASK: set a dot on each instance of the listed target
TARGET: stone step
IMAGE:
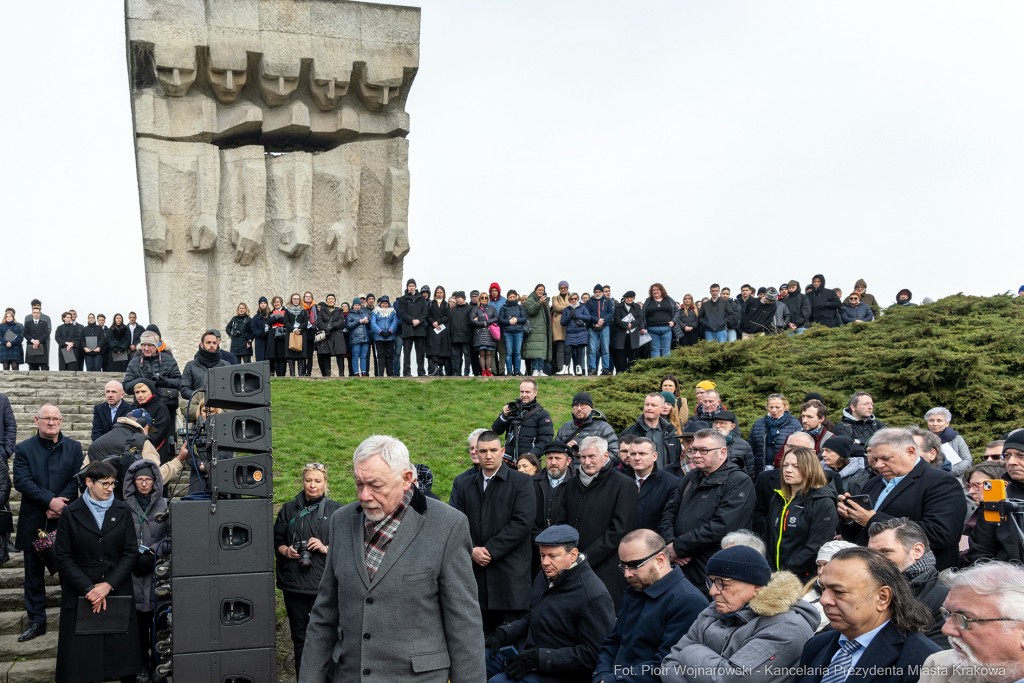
(14, 577)
(13, 599)
(29, 671)
(13, 623)
(43, 647)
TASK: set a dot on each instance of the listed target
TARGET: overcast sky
(595, 141)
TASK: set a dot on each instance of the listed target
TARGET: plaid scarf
(377, 536)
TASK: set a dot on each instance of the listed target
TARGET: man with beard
(985, 625)
(905, 543)
(587, 421)
(207, 357)
(859, 421)
(528, 427)
(657, 610)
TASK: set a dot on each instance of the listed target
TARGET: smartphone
(993, 490)
(862, 499)
(509, 651)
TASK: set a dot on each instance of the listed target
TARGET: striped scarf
(377, 536)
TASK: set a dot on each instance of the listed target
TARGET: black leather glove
(522, 664)
(496, 639)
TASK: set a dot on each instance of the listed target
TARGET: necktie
(841, 664)
(640, 483)
(487, 480)
(113, 414)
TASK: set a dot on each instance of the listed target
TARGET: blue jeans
(359, 352)
(721, 336)
(731, 335)
(599, 343)
(661, 340)
(513, 351)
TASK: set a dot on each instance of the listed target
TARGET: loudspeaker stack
(220, 577)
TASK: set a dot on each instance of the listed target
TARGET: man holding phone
(910, 487)
(992, 540)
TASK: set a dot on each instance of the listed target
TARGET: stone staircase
(75, 393)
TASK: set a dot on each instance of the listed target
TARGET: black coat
(549, 500)
(118, 339)
(87, 555)
(163, 370)
(991, 541)
(704, 509)
(302, 319)
(281, 323)
(332, 323)
(43, 470)
(258, 324)
(239, 330)
(793, 539)
(412, 307)
(567, 622)
(37, 330)
(461, 331)
(622, 331)
(8, 429)
(533, 431)
(932, 593)
(825, 306)
(895, 657)
(501, 519)
(669, 447)
(161, 433)
(799, 309)
(439, 345)
(101, 422)
(929, 496)
(652, 497)
(295, 523)
(602, 513)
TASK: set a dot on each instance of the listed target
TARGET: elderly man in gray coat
(398, 600)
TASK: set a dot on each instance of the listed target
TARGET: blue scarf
(98, 508)
(775, 427)
(947, 435)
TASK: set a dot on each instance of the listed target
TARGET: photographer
(299, 532)
(527, 424)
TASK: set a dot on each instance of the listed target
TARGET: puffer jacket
(594, 424)
(685, 317)
(797, 529)
(148, 530)
(537, 344)
(764, 446)
(239, 330)
(480, 318)
(512, 310)
(358, 332)
(763, 640)
(861, 312)
(384, 323)
(576, 320)
(298, 521)
(161, 369)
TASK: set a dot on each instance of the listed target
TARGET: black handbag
(6, 521)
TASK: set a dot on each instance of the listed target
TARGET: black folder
(115, 619)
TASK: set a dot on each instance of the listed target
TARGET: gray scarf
(98, 508)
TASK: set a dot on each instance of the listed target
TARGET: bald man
(105, 414)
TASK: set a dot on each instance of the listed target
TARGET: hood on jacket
(910, 296)
(848, 417)
(128, 486)
(494, 285)
(783, 591)
(820, 277)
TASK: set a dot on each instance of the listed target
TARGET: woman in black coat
(66, 337)
(93, 355)
(240, 331)
(119, 339)
(331, 321)
(163, 425)
(309, 330)
(301, 527)
(11, 352)
(95, 561)
(439, 348)
(280, 324)
(260, 325)
(299, 321)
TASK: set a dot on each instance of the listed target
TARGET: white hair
(1001, 579)
(744, 537)
(392, 451)
(939, 410)
(594, 442)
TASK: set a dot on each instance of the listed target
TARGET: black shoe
(34, 630)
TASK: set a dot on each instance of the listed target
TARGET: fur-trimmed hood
(783, 591)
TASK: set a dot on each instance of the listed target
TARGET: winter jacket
(568, 619)
(575, 321)
(239, 330)
(799, 308)
(860, 431)
(480, 318)
(663, 436)
(162, 369)
(461, 331)
(760, 317)
(534, 430)
(537, 344)
(765, 446)
(593, 424)
(959, 446)
(992, 541)
(861, 312)
(734, 314)
(714, 314)
(621, 332)
(298, 521)
(439, 343)
(260, 325)
(558, 304)
(703, 511)
(600, 309)
(798, 527)
(331, 321)
(824, 305)
(358, 331)
(763, 640)
(412, 307)
(509, 311)
(384, 324)
(148, 531)
(932, 593)
(742, 454)
(685, 317)
(193, 379)
(854, 477)
(126, 434)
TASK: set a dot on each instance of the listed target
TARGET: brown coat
(558, 304)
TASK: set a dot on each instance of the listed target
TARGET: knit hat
(563, 283)
(140, 416)
(771, 294)
(706, 385)
(1014, 439)
(370, 296)
(425, 288)
(475, 292)
(829, 550)
(148, 382)
(410, 281)
(840, 445)
(149, 338)
(582, 398)
(357, 301)
(761, 291)
(384, 299)
(669, 397)
(814, 395)
(263, 300)
(740, 563)
(598, 287)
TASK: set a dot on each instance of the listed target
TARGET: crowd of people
(488, 332)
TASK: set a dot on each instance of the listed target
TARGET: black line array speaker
(239, 386)
(246, 431)
(223, 612)
(237, 537)
(243, 475)
(234, 666)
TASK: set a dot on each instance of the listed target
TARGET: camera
(195, 435)
(515, 410)
(305, 557)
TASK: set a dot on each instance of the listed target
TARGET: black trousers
(35, 587)
(298, 606)
(385, 358)
(407, 344)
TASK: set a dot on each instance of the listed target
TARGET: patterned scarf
(377, 536)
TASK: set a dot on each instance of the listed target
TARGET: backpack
(121, 462)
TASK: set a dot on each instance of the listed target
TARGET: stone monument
(270, 141)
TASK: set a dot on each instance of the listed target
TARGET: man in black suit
(44, 470)
(908, 487)
(876, 620)
(501, 507)
(105, 414)
(654, 486)
(136, 329)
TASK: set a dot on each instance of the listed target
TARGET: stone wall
(271, 151)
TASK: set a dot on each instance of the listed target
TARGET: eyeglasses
(974, 485)
(636, 564)
(706, 451)
(319, 466)
(106, 484)
(963, 622)
(50, 419)
(717, 582)
(995, 458)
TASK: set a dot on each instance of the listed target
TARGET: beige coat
(938, 668)
(558, 304)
